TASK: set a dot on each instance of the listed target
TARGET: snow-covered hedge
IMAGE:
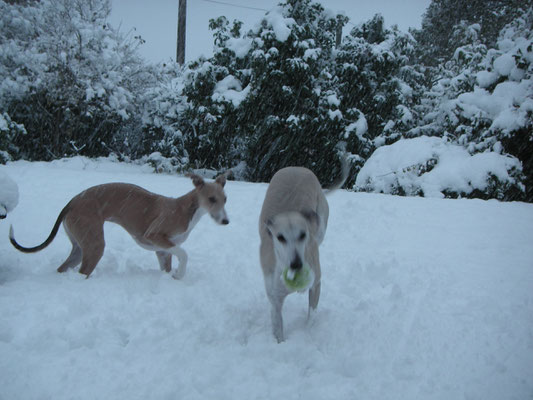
(434, 167)
(9, 194)
(68, 77)
(8, 131)
(483, 99)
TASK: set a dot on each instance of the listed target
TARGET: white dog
(292, 226)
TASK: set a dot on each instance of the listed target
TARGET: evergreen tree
(436, 37)
(378, 81)
(268, 97)
(282, 94)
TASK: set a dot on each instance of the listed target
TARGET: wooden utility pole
(338, 34)
(182, 16)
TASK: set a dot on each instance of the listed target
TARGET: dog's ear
(268, 225)
(221, 179)
(312, 218)
(197, 180)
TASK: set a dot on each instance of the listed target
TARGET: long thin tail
(51, 237)
(345, 169)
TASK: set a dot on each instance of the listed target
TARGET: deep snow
(421, 299)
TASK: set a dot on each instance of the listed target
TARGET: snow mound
(9, 194)
(433, 167)
(421, 299)
(230, 89)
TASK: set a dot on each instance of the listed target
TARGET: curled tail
(51, 237)
(345, 169)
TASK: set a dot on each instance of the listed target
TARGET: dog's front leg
(162, 241)
(277, 320)
(165, 260)
(276, 295)
(312, 256)
(182, 259)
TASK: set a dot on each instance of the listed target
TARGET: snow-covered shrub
(376, 80)
(162, 115)
(438, 38)
(434, 167)
(485, 100)
(9, 194)
(8, 131)
(67, 77)
(267, 98)
(281, 94)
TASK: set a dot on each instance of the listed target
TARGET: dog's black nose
(296, 263)
(224, 221)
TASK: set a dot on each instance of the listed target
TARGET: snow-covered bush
(377, 81)
(434, 167)
(438, 38)
(267, 97)
(485, 100)
(162, 116)
(282, 94)
(8, 131)
(9, 194)
(69, 78)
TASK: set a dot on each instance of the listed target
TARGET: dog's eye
(302, 236)
(282, 239)
(212, 200)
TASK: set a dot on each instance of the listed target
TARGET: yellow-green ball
(303, 278)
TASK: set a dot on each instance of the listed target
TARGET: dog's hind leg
(91, 255)
(73, 259)
(165, 260)
(89, 234)
(75, 254)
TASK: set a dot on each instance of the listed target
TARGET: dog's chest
(181, 237)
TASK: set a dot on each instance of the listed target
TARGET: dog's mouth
(291, 273)
(220, 219)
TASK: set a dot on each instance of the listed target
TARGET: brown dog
(156, 222)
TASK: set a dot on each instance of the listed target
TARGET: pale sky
(156, 21)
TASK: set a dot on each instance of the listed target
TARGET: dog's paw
(178, 274)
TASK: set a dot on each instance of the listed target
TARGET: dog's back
(294, 189)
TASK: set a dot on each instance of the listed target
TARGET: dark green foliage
(438, 38)
(58, 127)
(298, 99)
(69, 79)
(9, 133)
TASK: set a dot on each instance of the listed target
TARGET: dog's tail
(51, 237)
(345, 170)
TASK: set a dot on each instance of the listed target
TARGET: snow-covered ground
(421, 299)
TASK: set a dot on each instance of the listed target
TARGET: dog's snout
(296, 263)
(225, 221)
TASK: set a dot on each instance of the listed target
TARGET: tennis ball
(301, 279)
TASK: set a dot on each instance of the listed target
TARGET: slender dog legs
(165, 260)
